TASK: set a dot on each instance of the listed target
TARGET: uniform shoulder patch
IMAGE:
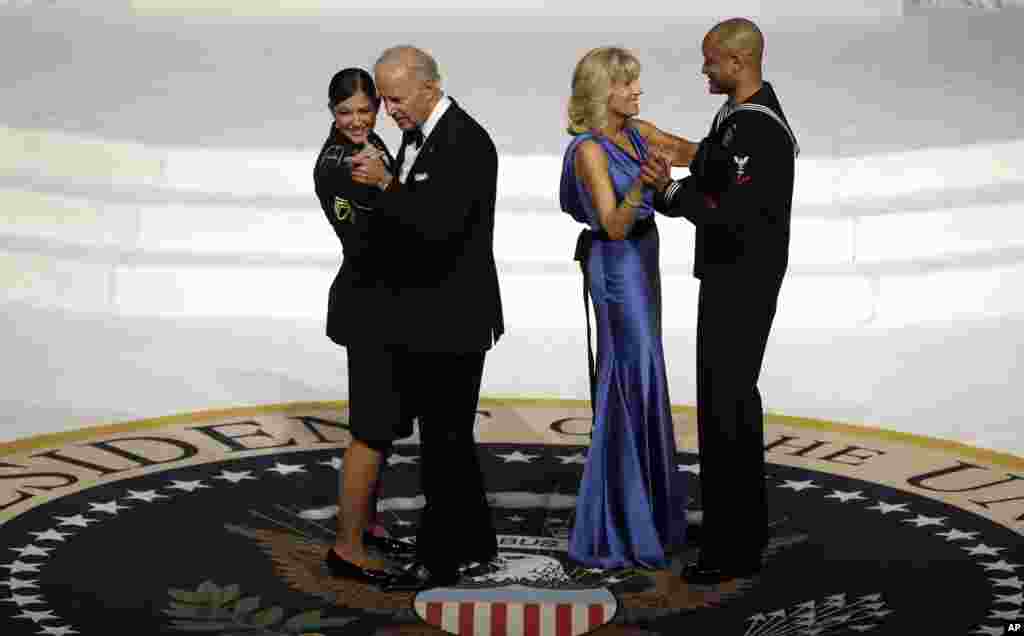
(741, 162)
(343, 209)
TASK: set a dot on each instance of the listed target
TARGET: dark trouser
(456, 524)
(391, 386)
(442, 389)
(733, 322)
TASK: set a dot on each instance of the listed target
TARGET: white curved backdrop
(161, 250)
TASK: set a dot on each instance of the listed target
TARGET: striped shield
(516, 610)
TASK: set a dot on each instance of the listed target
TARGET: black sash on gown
(584, 244)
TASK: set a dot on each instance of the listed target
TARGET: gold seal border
(998, 458)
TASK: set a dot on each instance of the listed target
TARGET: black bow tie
(414, 136)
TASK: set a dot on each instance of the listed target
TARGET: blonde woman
(630, 511)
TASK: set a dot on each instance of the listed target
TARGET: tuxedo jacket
(741, 200)
(427, 279)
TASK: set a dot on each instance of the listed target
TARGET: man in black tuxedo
(739, 196)
(443, 307)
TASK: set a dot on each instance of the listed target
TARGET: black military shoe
(703, 573)
(415, 577)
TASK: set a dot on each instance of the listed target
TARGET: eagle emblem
(741, 164)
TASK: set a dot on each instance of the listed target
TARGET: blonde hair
(592, 86)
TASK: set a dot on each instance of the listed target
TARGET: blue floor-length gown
(630, 511)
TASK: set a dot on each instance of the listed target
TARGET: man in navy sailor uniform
(739, 196)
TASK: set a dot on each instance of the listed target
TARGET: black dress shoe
(478, 569)
(342, 569)
(700, 573)
(415, 577)
(389, 547)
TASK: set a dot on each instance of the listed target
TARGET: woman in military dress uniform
(358, 299)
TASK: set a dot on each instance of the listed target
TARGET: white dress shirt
(411, 151)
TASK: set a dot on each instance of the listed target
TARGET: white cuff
(671, 191)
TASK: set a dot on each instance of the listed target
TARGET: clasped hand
(368, 168)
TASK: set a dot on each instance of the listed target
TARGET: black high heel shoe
(342, 569)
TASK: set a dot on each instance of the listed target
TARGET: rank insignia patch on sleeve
(741, 165)
(343, 210)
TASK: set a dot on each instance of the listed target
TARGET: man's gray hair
(417, 61)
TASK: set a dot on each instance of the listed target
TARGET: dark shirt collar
(764, 96)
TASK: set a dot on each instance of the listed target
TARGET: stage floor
(218, 521)
(170, 508)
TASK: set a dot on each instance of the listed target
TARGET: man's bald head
(740, 36)
(732, 58)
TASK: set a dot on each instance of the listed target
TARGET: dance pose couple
(416, 303)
